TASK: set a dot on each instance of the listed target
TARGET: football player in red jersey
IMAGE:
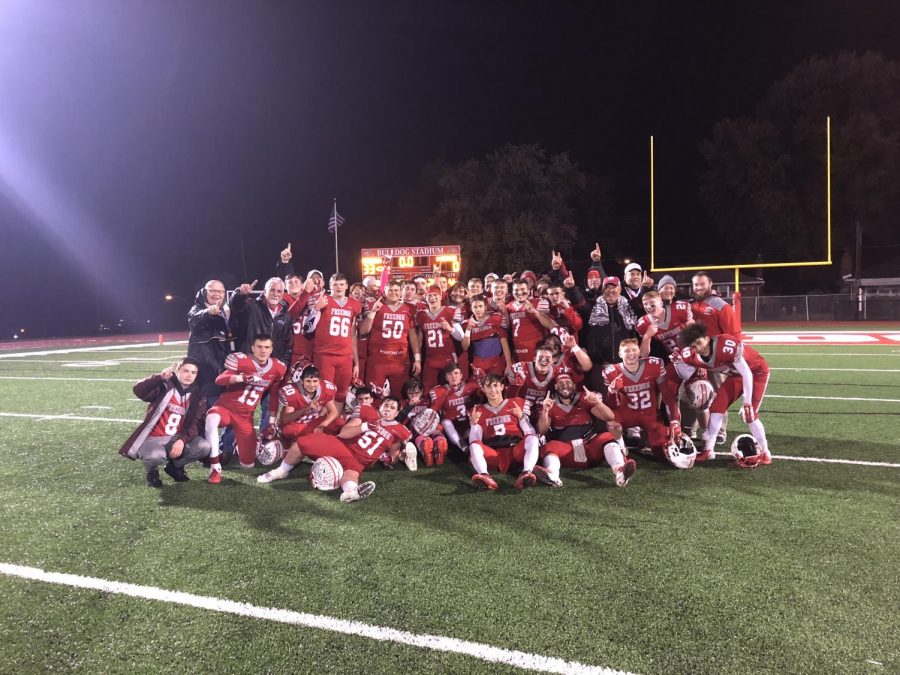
(634, 389)
(303, 313)
(336, 350)
(531, 380)
(424, 423)
(246, 379)
(577, 437)
(389, 326)
(307, 407)
(710, 309)
(501, 438)
(452, 401)
(434, 324)
(567, 354)
(746, 374)
(567, 320)
(662, 322)
(529, 322)
(358, 445)
(486, 336)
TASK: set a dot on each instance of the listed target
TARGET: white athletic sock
(451, 433)
(287, 467)
(759, 433)
(715, 423)
(532, 448)
(552, 464)
(613, 454)
(476, 456)
(212, 435)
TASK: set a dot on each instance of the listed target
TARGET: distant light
(627, 260)
(21, 330)
(148, 320)
(15, 337)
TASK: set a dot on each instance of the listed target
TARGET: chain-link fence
(819, 308)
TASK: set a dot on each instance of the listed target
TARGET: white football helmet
(326, 474)
(269, 452)
(426, 422)
(698, 394)
(681, 454)
(746, 451)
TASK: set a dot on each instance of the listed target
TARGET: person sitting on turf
(170, 430)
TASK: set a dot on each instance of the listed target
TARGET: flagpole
(336, 268)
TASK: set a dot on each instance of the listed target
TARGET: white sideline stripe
(825, 355)
(70, 417)
(477, 650)
(119, 360)
(845, 370)
(68, 379)
(825, 460)
(834, 398)
(75, 350)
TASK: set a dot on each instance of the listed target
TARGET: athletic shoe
(153, 479)
(426, 447)
(765, 457)
(705, 456)
(483, 481)
(408, 455)
(624, 473)
(275, 474)
(176, 472)
(525, 479)
(215, 476)
(362, 491)
(440, 450)
(544, 476)
(721, 437)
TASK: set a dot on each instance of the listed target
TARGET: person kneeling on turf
(170, 430)
(358, 445)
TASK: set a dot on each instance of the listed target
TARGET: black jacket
(210, 341)
(253, 316)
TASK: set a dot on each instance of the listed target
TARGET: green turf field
(794, 567)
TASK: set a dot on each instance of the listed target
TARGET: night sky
(142, 141)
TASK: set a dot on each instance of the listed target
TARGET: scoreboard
(411, 261)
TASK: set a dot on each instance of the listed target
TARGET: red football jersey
(489, 328)
(243, 397)
(337, 324)
(303, 313)
(297, 398)
(677, 316)
(566, 360)
(436, 340)
(724, 351)
(641, 391)
(381, 435)
(525, 330)
(500, 422)
(716, 314)
(576, 413)
(451, 403)
(568, 322)
(390, 331)
(525, 382)
(171, 421)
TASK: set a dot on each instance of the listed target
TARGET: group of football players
(406, 371)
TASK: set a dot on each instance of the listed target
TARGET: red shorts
(396, 371)
(336, 369)
(244, 432)
(733, 388)
(291, 431)
(316, 446)
(657, 433)
(579, 456)
(503, 459)
(432, 369)
(493, 364)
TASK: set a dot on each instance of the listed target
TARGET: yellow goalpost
(737, 267)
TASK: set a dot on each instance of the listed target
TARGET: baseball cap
(368, 281)
(593, 273)
(528, 274)
(633, 266)
(611, 281)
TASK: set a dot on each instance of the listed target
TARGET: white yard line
(823, 354)
(833, 398)
(70, 379)
(510, 657)
(70, 416)
(76, 350)
(845, 370)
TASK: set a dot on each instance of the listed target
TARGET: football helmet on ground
(326, 474)
(682, 453)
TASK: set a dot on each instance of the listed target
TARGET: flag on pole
(336, 219)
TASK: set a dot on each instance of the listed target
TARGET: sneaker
(765, 457)
(440, 450)
(721, 437)
(275, 474)
(624, 473)
(483, 481)
(408, 455)
(426, 447)
(525, 479)
(705, 456)
(176, 472)
(153, 479)
(544, 476)
(362, 491)
(215, 476)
